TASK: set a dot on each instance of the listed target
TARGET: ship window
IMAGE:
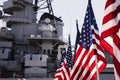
(3, 50)
(41, 57)
(49, 52)
(44, 51)
(30, 57)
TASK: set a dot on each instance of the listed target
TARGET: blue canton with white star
(86, 33)
(69, 55)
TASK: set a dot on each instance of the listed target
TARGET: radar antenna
(43, 5)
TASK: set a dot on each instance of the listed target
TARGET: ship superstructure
(29, 48)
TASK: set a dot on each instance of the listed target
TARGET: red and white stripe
(85, 67)
(62, 73)
(110, 36)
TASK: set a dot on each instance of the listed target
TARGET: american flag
(89, 59)
(110, 36)
(63, 72)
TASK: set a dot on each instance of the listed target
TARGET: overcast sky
(70, 10)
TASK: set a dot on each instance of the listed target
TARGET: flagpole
(98, 77)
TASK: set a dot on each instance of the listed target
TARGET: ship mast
(43, 5)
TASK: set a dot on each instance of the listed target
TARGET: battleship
(30, 47)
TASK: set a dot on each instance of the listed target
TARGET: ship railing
(52, 22)
(41, 36)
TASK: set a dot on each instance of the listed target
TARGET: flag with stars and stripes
(110, 36)
(89, 59)
(63, 72)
